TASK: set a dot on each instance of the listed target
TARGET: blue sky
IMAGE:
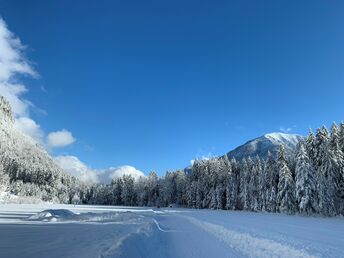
(154, 84)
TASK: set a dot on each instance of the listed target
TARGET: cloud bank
(106, 175)
(77, 168)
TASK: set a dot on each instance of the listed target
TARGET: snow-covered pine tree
(191, 194)
(254, 185)
(117, 186)
(272, 177)
(305, 184)
(181, 184)
(199, 195)
(213, 201)
(220, 188)
(263, 186)
(152, 185)
(341, 136)
(235, 179)
(169, 188)
(286, 185)
(128, 193)
(334, 144)
(327, 186)
(244, 185)
(321, 144)
(273, 200)
(4, 180)
(231, 185)
(310, 147)
(321, 155)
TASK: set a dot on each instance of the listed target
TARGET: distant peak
(5, 109)
(262, 145)
(283, 137)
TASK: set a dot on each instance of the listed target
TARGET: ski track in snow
(249, 245)
(158, 226)
(163, 230)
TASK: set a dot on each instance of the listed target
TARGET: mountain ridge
(264, 144)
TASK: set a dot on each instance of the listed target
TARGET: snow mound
(109, 217)
(64, 215)
(52, 215)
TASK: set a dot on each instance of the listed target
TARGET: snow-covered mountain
(268, 142)
(25, 161)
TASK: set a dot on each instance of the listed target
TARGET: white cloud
(60, 139)
(13, 65)
(106, 175)
(75, 167)
(12, 59)
(31, 128)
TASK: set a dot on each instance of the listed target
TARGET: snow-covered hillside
(99, 231)
(268, 142)
(29, 167)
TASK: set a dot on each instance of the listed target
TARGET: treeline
(310, 182)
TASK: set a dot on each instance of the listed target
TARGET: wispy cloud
(287, 129)
(14, 65)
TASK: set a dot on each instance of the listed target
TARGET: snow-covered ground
(49, 230)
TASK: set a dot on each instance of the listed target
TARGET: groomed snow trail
(56, 231)
(249, 245)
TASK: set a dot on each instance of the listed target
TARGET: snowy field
(105, 231)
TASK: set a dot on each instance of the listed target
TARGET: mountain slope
(268, 142)
(30, 168)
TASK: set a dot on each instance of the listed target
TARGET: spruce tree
(272, 176)
(341, 136)
(339, 168)
(310, 147)
(244, 184)
(305, 184)
(327, 186)
(286, 185)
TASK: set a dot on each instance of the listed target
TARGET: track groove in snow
(249, 245)
(163, 230)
